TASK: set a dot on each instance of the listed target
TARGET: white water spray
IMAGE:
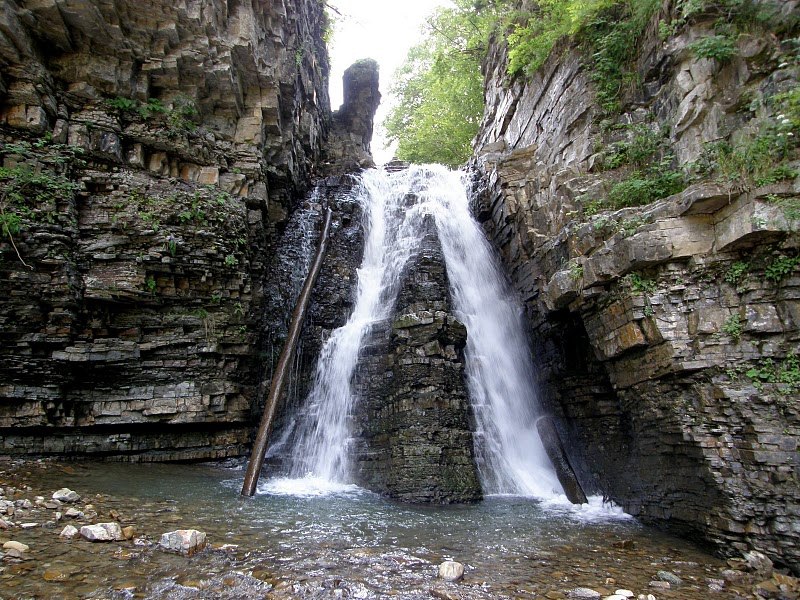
(511, 459)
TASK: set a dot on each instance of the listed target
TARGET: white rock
(184, 541)
(66, 495)
(647, 597)
(69, 532)
(616, 597)
(102, 532)
(28, 525)
(451, 570)
(625, 593)
(584, 594)
(73, 513)
(18, 546)
(758, 562)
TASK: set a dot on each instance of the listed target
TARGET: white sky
(379, 29)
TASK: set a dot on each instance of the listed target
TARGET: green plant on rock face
(575, 270)
(736, 273)
(718, 47)
(231, 260)
(122, 105)
(780, 268)
(786, 374)
(151, 284)
(645, 187)
(23, 192)
(640, 285)
(733, 327)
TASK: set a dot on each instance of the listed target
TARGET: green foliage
(179, 118)
(736, 273)
(780, 268)
(644, 144)
(575, 270)
(231, 260)
(440, 89)
(733, 327)
(719, 47)
(151, 284)
(786, 374)
(645, 187)
(641, 285)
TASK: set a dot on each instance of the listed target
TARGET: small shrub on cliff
(780, 268)
(733, 327)
(786, 374)
(718, 47)
(643, 188)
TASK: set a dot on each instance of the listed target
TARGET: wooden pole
(282, 369)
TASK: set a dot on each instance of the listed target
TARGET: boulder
(102, 532)
(451, 570)
(183, 541)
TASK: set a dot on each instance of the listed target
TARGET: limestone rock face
(351, 135)
(170, 141)
(665, 339)
(415, 441)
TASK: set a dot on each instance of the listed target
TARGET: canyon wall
(666, 335)
(151, 154)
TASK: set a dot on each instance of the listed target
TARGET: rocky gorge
(157, 160)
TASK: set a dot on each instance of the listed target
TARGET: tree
(440, 89)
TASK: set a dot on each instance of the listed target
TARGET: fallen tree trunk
(555, 450)
(282, 369)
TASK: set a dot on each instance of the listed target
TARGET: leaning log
(564, 471)
(281, 373)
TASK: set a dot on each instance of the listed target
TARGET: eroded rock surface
(666, 342)
(173, 138)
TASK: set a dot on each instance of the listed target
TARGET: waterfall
(511, 459)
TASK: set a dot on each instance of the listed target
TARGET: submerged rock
(670, 578)
(14, 545)
(451, 570)
(183, 541)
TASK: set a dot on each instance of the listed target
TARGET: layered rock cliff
(667, 334)
(151, 154)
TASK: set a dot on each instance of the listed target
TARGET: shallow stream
(335, 544)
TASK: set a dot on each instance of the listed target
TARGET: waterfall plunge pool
(289, 543)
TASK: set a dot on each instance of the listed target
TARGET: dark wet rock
(415, 440)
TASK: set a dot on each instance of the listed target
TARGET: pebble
(66, 495)
(29, 525)
(625, 593)
(102, 532)
(661, 585)
(584, 594)
(69, 532)
(647, 597)
(184, 541)
(73, 513)
(451, 570)
(18, 546)
(616, 597)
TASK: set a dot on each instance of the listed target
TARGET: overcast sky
(379, 29)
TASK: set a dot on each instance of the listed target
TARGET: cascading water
(511, 458)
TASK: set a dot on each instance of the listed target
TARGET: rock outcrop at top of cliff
(668, 334)
(154, 150)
